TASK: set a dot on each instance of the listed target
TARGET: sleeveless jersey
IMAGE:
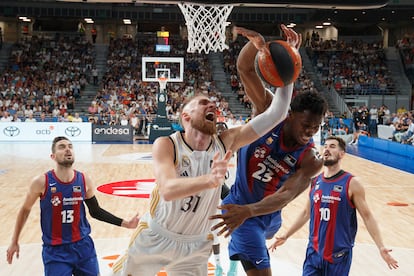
(333, 220)
(63, 218)
(189, 216)
(264, 165)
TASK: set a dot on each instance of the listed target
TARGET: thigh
(89, 267)
(341, 265)
(192, 260)
(248, 242)
(87, 261)
(312, 265)
(58, 268)
(189, 270)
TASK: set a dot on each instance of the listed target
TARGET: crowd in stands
(45, 75)
(406, 50)
(365, 121)
(352, 67)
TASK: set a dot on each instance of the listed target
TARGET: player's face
(64, 155)
(304, 125)
(332, 153)
(204, 116)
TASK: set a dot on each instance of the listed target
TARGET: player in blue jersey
(67, 247)
(334, 197)
(271, 171)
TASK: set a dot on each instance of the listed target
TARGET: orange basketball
(281, 67)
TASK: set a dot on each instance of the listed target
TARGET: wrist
(250, 211)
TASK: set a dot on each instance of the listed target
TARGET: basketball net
(163, 83)
(206, 26)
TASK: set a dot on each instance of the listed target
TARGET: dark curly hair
(311, 101)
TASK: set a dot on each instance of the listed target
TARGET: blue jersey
(333, 220)
(63, 218)
(263, 167)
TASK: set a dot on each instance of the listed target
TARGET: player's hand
(279, 240)
(391, 262)
(234, 215)
(132, 223)
(13, 248)
(256, 38)
(294, 39)
(219, 169)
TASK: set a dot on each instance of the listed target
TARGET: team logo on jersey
(337, 188)
(290, 160)
(259, 152)
(185, 162)
(76, 189)
(316, 198)
(53, 190)
(55, 201)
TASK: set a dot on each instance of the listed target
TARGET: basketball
(281, 67)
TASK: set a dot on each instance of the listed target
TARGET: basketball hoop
(206, 26)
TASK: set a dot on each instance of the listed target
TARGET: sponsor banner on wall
(41, 131)
(112, 133)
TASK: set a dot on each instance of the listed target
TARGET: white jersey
(189, 216)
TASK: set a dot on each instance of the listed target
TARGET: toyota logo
(72, 131)
(11, 131)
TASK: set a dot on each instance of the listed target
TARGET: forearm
(182, 187)
(270, 204)
(298, 224)
(253, 86)
(100, 214)
(20, 222)
(374, 231)
(275, 113)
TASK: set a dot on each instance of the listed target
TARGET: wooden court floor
(19, 163)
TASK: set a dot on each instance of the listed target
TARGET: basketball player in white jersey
(190, 168)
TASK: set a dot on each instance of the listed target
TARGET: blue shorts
(315, 265)
(78, 259)
(248, 242)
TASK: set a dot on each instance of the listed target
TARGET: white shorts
(153, 248)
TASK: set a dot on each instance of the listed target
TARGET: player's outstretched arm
(238, 137)
(252, 84)
(303, 217)
(357, 195)
(101, 214)
(36, 189)
(235, 215)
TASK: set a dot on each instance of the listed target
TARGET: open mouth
(210, 116)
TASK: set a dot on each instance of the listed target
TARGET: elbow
(166, 194)
(93, 214)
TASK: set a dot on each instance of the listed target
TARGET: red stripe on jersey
(76, 234)
(330, 231)
(316, 220)
(57, 219)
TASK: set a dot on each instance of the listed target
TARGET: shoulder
(312, 161)
(165, 146)
(38, 184)
(355, 187)
(165, 141)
